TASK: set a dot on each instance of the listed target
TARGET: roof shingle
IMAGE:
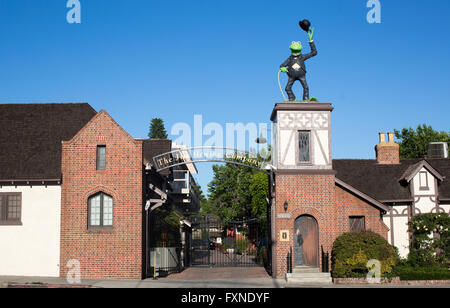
(31, 136)
(382, 182)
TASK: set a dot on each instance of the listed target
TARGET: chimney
(387, 152)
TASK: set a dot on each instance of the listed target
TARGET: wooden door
(306, 238)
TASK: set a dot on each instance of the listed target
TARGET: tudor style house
(407, 187)
(317, 198)
(30, 184)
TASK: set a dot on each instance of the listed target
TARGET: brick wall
(351, 205)
(306, 194)
(316, 195)
(115, 253)
(388, 154)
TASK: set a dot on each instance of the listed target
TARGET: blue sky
(141, 59)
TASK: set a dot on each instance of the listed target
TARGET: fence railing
(325, 261)
(289, 261)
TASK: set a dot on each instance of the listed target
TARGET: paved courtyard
(205, 273)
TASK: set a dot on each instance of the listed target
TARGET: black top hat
(305, 24)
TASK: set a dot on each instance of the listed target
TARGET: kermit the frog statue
(295, 67)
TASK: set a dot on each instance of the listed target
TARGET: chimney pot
(382, 137)
(391, 137)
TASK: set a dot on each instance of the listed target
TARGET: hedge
(406, 272)
(352, 250)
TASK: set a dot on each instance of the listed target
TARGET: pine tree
(157, 129)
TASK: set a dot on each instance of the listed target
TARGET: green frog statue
(295, 67)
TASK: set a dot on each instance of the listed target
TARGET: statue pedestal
(302, 136)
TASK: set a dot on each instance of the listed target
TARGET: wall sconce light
(285, 205)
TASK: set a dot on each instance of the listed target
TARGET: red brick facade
(115, 253)
(350, 205)
(318, 196)
(388, 154)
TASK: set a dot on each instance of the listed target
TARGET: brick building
(74, 189)
(75, 186)
(317, 198)
(102, 199)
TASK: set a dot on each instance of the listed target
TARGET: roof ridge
(50, 103)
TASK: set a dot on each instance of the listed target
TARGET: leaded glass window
(95, 210)
(100, 211)
(101, 157)
(10, 208)
(304, 147)
(107, 210)
(13, 207)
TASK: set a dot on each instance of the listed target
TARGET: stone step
(308, 278)
(305, 269)
(309, 275)
(308, 285)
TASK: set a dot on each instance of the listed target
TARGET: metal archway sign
(184, 156)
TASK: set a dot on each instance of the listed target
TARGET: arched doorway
(306, 241)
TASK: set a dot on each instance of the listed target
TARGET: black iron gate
(230, 244)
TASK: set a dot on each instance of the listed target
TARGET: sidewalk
(150, 283)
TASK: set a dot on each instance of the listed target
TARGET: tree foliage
(413, 143)
(157, 129)
(199, 192)
(237, 193)
(430, 242)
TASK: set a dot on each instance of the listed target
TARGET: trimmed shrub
(406, 272)
(352, 250)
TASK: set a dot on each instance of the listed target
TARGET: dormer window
(423, 180)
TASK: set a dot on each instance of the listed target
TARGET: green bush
(430, 242)
(262, 256)
(431, 272)
(352, 250)
(243, 245)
